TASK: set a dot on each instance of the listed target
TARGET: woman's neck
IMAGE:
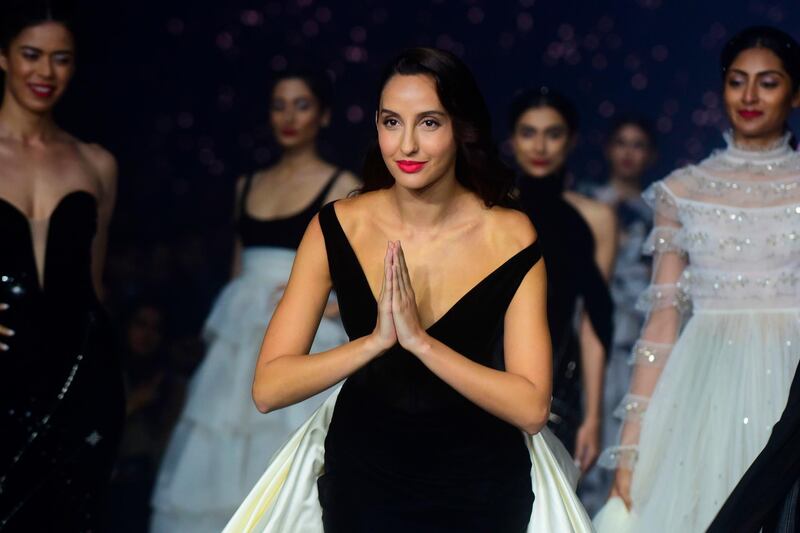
(626, 188)
(299, 158)
(25, 126)
(430, 208)
(756, 143)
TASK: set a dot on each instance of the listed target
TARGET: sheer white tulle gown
(222, 444)
(725, 291)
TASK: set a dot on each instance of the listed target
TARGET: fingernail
(11, 332)
(3, 347)
(3, 307)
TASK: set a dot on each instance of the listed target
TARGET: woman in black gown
(577, 236)
(425, 434)
(62, 406)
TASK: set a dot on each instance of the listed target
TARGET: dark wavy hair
(778, 42)
(478, 164)
(642, 123)
(18, 15)
(538, 97)
(318, 81)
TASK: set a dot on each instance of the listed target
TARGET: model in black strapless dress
(61, 395)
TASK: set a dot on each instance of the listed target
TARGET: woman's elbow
(536, 419)
(260, 399)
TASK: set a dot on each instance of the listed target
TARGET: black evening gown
(405, 451)
(568, 249)
(766, 498)
(61, 393)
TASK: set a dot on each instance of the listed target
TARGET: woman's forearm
(508, 396)
(289, 379)
(593, 364)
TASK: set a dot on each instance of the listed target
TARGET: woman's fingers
(403, 267)
(6, 332)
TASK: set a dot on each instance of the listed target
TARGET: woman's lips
(41, 90)
(540, 162)
(749, 114)
(289, 132)
(411, 167)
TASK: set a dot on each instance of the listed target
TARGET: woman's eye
(555, 135)
(430, 123)
(734, 82)
(30, 54)
(769, 84)
(277, 106)
(390, 122)
(63, 60)
(303, 105)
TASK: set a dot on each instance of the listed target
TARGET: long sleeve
(666, 302)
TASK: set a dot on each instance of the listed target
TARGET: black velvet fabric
(61, 392)
(405, 451)
(286, 232)
(568, 249)
(767, 495)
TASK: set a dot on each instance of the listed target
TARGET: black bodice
(568, 249)
(284, 232)
(399, 433)
(61, 397)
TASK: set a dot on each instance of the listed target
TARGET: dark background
(177, 91)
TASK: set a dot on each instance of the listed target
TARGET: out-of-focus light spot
(632, 62)
(699, 117)
(216, 168)
(278, 63)
(659, 53)
(599, 62)
(251, 17)
(323, 14)
(506, 40)
(246, 141)
(639, 81)
(380, 15)
(591, 42)
(206, 156)
(613, 41)
(185, 120)
(671, 106)
(358, 34)
(224, 41)
(775, 14)
(262, 155)
(606, 109)
(573, 57)
(710, 99)
(355, 114)
(664, 124)
(605, 24)
(310, 28)
(694, 146)
(524, 22)
(226, 96)
(555, 49)
(475, 15)
(566, 32)
(175, 26)
(355, 54)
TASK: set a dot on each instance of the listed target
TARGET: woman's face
(415, 133)
(39, 64)
(541, 141)
(295, 113)
(629, 153)
(758, 94)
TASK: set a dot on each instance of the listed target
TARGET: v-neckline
(458, 302)
(40, 279)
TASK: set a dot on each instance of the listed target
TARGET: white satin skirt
(222, 443)
(285, 499)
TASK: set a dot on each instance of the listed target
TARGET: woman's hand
(384, 334)
(410, 333)
(4, 331)
(622, 486)
(587, 444)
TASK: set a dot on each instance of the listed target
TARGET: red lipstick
(540, 162)
(411, 167)
(749, 114)
(42, 90)
(288, 132)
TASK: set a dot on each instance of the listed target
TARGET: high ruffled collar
(775, 152)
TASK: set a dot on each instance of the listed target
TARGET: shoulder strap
(320, 199)
(248, 181)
